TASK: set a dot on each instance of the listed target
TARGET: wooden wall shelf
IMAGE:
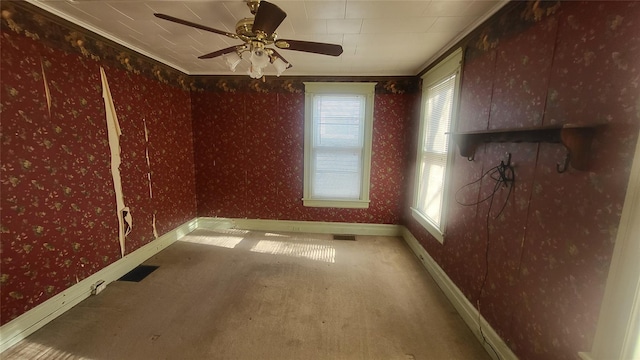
(575, 138)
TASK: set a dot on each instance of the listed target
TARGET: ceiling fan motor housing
(244, 27)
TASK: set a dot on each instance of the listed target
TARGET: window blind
(433, 162)
(337, 147)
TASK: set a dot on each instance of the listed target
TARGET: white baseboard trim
(466, 310)
(215, 223)
(585, 356)
(34, 319)
(317, 227)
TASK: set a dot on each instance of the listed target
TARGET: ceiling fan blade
(192, 24)
(268, 18)
(309, 46)
(218, 53)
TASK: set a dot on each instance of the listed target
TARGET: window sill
(432, 229)
(333, 203)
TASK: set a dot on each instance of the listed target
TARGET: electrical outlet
(98, 287)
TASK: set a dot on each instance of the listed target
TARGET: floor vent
(138, 273)
(344, 237)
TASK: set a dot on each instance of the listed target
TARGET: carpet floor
(235, 294)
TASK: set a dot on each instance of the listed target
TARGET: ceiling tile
(450, 24)
(308, 26)
(73, 12)
(139, 27)
(478, 9)
(212, 14)
(94, 14)
(177, 9)
(133, 10)
(385, 9)
(325, 9)
(237, 9)
(374, 40)
(344, 26)
(397, 25)
(447, 8)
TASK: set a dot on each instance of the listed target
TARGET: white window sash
(319, 192)
(434, 158)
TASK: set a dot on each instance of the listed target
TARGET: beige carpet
(236, 294)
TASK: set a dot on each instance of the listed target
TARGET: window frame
(449, 66)
(339, 88)
(617, 334)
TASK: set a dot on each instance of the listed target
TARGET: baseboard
(585, 356)
(34, 319)
(317, 227)
(466, 310)
(215, 223)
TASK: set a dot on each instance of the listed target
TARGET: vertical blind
(433, 162)
(337, 148)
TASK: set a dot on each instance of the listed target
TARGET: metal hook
(565, 167)
(508, 160)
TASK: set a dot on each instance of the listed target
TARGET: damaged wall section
(57, 187)
(123, 213)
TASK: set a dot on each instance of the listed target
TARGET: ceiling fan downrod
(253, 6)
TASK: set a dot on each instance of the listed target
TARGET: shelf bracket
(577, 141)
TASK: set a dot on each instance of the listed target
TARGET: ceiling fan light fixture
(259, 58)
(232, 59)
(254, 72)
(280, 65)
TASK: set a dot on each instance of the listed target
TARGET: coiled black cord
(504, 176)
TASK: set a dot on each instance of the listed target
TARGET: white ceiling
(379, 38)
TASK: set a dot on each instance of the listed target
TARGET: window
(337, 146)
(440, 87)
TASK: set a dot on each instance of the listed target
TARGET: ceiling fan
(257, 33)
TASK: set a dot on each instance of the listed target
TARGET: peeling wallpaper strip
(146, 153)
(47, 92)
(155, 230)
(113, 127)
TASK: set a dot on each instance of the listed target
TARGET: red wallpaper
(549, 252)
(249, 156)
(58, 221)
(534, 63)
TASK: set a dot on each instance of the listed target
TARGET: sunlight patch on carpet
(228, 242)
(316, 252)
